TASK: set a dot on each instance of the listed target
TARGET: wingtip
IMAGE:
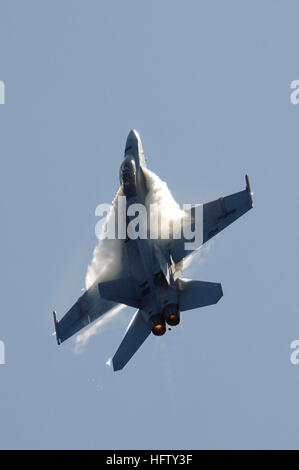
(55, 317)
(248, 189)
(56, 323)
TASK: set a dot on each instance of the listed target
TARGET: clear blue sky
(207, 85)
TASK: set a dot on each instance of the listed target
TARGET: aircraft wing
(88, 308)
(91, 305)
(213, 217)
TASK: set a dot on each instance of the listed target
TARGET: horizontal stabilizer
(121, 290)
(137, 332)
(195, 294)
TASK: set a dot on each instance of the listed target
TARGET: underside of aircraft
(149, 278)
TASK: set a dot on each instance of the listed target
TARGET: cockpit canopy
(127, 171)
(127, 176)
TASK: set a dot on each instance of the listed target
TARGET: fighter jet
(151, 280)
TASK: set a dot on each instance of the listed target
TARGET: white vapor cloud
(106, 262)
(97, 328)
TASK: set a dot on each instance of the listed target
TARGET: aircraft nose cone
(132, 140)
(134, 148)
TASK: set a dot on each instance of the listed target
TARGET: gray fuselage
(152, 268)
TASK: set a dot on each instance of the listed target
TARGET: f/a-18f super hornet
(152, 281)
